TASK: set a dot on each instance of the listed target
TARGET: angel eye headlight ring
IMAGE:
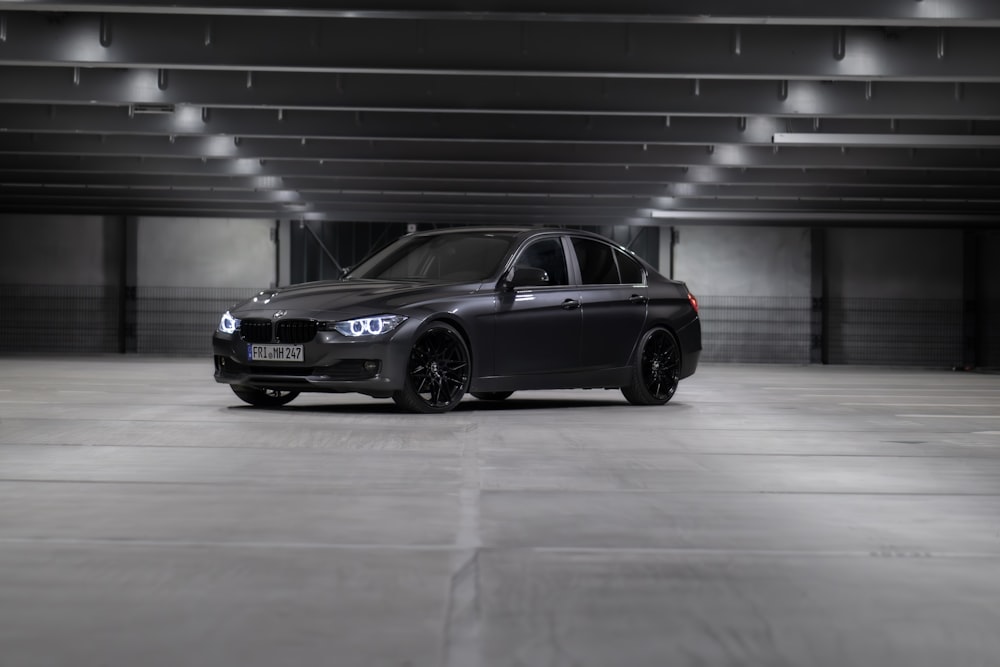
(228, 324)
(376, 325)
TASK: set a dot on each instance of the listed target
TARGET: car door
(538, 326)
(614, 298)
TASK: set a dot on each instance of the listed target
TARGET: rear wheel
(657, 369)
(437, 373)
(263, 398)
(492, 395)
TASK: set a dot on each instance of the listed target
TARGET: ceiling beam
(583, 207)
(501, 94)
(351, 198)
(908, 219)
(768, 212)
(651, 181)
(240, 154)
(502, 48)
(246, 158)
(83, 126)
(860, 189)
(301, 190)
(844, 12)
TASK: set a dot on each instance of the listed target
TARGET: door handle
(570, 304)
(638, 298)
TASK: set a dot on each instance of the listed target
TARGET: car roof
(525, 231)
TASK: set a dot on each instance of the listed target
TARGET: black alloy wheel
(657, 369)
(437, 372)
(264, 398)
(492, 395)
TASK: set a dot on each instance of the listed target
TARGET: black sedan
(487, 311)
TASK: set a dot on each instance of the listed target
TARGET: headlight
(228, 324)
(369, 326)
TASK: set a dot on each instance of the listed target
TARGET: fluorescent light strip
(904, 140)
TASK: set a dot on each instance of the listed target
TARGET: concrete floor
(768, 516)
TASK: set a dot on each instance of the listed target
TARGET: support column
(665, 258)
(283, 252)
(675, 238)
(819, 348)
(972, 335)
(128, 279)
(119, 270)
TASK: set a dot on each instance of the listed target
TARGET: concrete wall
(209, 252)
(87, 250)
(754, 288)
(744, 261)
(61, 280)
(189, 271)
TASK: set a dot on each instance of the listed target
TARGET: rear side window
(601, 264)
(629, 269)
(597, 262)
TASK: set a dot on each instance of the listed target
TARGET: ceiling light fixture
(889, 140)
(151, 108)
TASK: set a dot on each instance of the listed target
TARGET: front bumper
(331, 363)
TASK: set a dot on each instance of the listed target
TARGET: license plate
(291, 353)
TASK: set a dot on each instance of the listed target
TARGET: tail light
(694, 301)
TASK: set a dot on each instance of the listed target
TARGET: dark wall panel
(80, 319)
(59, 284)
(895, 296)
(988, 314)
(913, 332)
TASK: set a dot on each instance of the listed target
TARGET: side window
(630, 269)
(597, 262)
(547, 255)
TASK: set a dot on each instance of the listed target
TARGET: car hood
(346, 298)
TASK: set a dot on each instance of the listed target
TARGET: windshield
(453, 257)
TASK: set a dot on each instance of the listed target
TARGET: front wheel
(437, 372)
(657, 369)
(263, 398)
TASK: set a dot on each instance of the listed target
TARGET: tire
(492, 395)
(437, 371)
(264, 398)
(657, 369)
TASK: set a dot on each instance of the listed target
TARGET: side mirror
(526, 276)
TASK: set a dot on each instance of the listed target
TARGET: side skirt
(589, 379)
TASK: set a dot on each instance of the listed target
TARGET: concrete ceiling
(555, 111)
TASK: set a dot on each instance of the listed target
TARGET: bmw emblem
(280, 314)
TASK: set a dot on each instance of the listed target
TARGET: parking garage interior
(823, 491)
